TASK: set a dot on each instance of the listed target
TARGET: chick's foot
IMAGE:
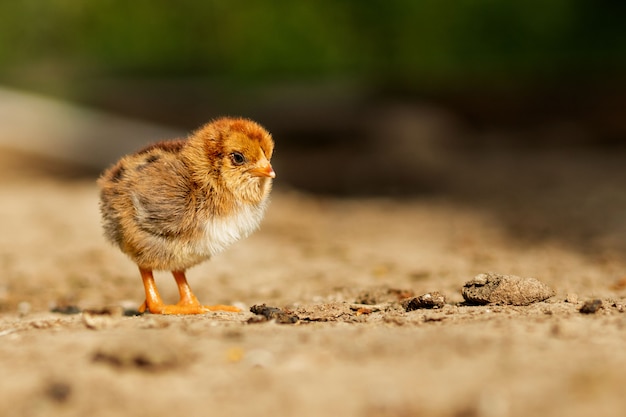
(185, 308)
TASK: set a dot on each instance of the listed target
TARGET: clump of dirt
(429, 300)
(493, 288)
(266, 313)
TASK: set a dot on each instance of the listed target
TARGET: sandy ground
(321, 258)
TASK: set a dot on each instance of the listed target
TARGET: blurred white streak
(66, 132)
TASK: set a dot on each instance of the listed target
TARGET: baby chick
(176, 203)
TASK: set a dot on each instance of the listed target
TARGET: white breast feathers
(221, 232)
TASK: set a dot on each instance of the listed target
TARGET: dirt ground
(340, 267)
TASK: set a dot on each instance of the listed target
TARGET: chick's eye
(237, 158)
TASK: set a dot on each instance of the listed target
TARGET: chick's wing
(162, 199)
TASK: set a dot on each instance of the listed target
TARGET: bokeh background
(514, 106)
(368, 97)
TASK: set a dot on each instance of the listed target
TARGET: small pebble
(571, 298)
(591, 306)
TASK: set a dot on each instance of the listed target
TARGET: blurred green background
(396, 43)
(424, 77)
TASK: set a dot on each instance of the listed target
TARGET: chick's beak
(264, 170)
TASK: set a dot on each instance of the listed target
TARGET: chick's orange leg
(153, 302)
(188, 301)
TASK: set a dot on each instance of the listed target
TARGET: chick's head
(233, 154)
